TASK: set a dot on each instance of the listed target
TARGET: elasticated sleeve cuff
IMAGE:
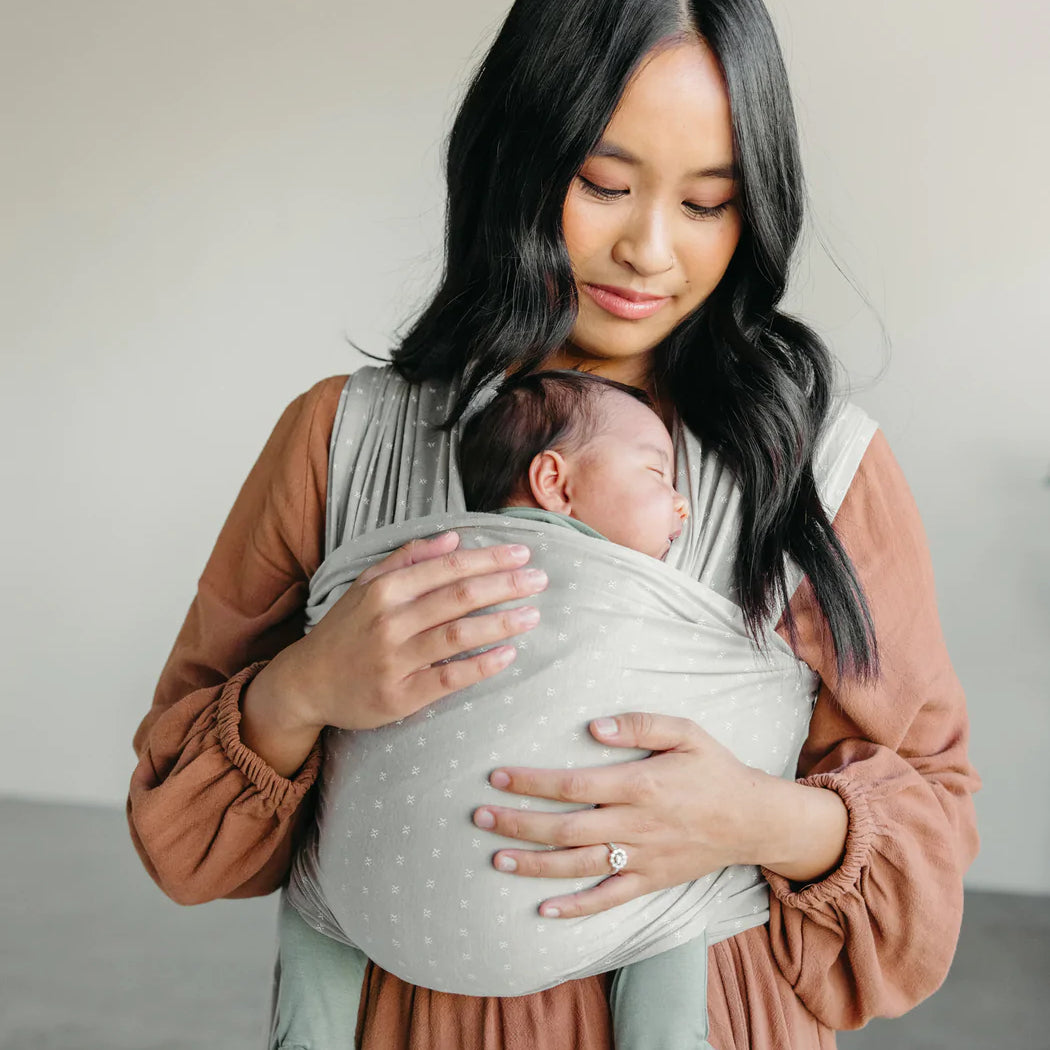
(282, 792)
(860, 836)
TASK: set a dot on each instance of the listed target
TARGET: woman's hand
(377, 655)
(688, 809)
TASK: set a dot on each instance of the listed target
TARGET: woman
(624, 196)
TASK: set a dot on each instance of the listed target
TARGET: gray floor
(94, 957)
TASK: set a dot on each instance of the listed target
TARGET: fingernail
(454, 535)
(529, 616)
(499, 779)
(507, 864)
(536, 576)
(549, 912)
(519, 550)
(484, 819)
(605, 726)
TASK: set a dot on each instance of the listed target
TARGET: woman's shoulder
(321, 406)
(854, 456)
(841, 450)
(323, 397)
(845, 421)
(383, 385)
(363, 377)
(367, 397)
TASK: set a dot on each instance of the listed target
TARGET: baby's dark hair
(529, 413)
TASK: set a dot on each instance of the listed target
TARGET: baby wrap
(393, 863)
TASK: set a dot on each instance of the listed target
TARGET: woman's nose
(644, 243)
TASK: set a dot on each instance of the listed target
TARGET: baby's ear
(549, 481)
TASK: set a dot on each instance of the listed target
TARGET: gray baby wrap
(393, 863)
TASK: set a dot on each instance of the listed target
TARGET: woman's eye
(602, 192)
(697, 211)
(700, 211)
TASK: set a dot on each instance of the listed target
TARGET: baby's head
(581, 445)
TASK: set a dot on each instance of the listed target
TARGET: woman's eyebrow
(610, 149)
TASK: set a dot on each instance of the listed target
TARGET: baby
(579, 450)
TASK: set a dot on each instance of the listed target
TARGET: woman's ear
(549, 481)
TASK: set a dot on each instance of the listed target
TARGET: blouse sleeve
(209, 817)
(877, 935)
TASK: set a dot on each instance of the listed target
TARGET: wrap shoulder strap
(842, 445)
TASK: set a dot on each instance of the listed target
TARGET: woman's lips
(616, 302)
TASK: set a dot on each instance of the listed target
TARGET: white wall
(926, 155)
(201, 200)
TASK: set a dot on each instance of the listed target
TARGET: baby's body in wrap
(396, 866)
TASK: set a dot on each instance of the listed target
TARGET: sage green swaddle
(394, 863)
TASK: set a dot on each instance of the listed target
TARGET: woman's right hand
(377, 655)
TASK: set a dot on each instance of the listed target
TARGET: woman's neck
(634, 371)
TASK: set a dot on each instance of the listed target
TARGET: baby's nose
(681, 507)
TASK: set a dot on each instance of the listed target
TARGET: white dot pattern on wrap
(396, 865)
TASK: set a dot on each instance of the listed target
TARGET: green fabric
(552, 516)
(660, 1003)
(317, 986)
(656, 1004)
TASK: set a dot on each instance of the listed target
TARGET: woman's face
(651, 221)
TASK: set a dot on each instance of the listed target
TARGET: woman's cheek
(584, 231)
(727, 241)
(570, 228)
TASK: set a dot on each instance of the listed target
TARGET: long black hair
(754, 384)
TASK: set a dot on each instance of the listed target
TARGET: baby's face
(622, 481)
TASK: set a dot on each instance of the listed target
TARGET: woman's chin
(612, 338)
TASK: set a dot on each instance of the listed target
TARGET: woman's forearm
(803, 830)
(272, 726)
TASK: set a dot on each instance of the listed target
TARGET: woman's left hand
(688, 809)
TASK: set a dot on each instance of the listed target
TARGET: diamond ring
(617, 857)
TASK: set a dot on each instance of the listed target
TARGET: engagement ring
(617, 857)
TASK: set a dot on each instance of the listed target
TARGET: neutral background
(201, 203)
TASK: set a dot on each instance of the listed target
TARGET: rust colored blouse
(211, 819)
